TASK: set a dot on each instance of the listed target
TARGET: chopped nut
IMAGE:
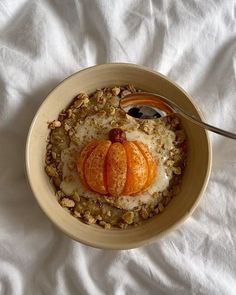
(89, 218)
(98, 95)
(77, 214)
(67, 127)
(177, 170)
(108, 213)
(68, 203)
(156, 210)
(81, 101)
(148, 127)
(54, 155)
(51, 171)
(170, 163)
(158, 197)
(54, 124)
(102, 113)
(165, 193)
(131, 88)
(123, 225)
(115, 91)
(112, 111)
(69, 113)
(60, 194)
(76, 196)
(99, 217)
(71, 132)
(160, 207)
(102, 223)
(144, 213)
(167, 200)
(107, 226)
(113, 123)
(125, 92)
(61, 116)
(128, 217)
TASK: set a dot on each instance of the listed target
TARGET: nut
(67, 127)
(81, 101)
(88, 218)
(144, 213)
(68, 203)
(51, 171)
(107, 226)
(112, 111)
(128, 217)
(98, 95)
(77, 214)
(54, 124)
(76, 196)
(177, 170)
(160, 207)
(115, 91)
(60, 194)
(131, 88)
(54, 155)
(125, 92)
(156, 210)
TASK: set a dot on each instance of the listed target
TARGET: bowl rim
(129, 245)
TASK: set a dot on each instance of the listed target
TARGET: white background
(41, 43)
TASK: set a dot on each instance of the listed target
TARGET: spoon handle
(201, 123)
(208, 126)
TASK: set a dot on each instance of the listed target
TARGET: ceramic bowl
(195, 176)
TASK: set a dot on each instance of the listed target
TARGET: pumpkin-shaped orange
(116, 166)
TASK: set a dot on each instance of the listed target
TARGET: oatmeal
(109, 168)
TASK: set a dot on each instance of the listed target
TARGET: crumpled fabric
(41, 43)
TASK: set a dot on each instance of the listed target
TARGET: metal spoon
(145, 105)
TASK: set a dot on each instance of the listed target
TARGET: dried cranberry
(117, 135)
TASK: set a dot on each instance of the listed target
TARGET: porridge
(112, 169)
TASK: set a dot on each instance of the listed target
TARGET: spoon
(145, 105)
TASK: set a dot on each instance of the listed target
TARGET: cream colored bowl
(195, 176)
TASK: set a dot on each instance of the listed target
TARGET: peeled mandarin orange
(94, 167)
(137, 172)
(152, 167)
(116, 169)
(117, 166)
(83, 157)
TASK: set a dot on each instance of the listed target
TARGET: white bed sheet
(41, 43)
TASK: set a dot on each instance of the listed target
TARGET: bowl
(195, 176)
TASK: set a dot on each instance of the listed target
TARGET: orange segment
(116, 169)
(82, 159)
(137, 173)
(152, 167)
(95, 166)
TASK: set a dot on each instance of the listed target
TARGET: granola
(88, 111)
